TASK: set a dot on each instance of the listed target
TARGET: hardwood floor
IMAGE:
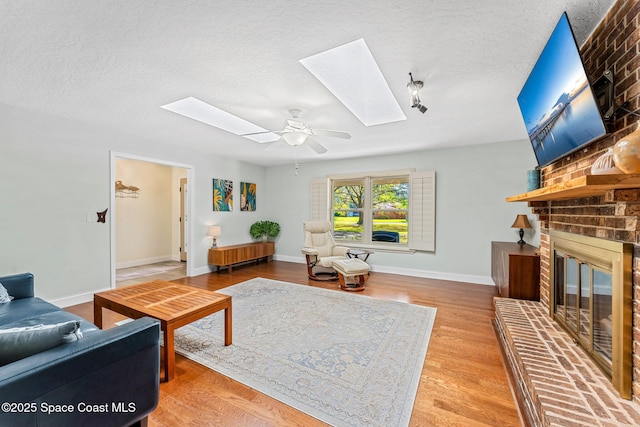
(463, 382)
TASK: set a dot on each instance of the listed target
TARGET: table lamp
(521, 222)
(214, 233)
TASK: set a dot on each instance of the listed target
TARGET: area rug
(345, 359)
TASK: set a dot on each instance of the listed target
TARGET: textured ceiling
(114, 63)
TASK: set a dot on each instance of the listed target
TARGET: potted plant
(264, 229)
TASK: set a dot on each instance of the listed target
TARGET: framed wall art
(222, 195)
(247, 196)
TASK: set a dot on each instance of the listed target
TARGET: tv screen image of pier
(557, 103)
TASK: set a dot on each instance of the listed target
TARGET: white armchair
(321, 250)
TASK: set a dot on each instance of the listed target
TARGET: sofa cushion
(4, 295)
(52, 318)
(25, 308)
(18, 343)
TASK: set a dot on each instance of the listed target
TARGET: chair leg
(324, 276)
(309, 266)
(343, 284)
(352, 287)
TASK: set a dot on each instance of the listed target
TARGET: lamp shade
(521, 222)
(215, 231)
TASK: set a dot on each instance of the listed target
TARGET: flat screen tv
(557, 103)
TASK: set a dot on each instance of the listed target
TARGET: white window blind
(422, 211)
(319, 199)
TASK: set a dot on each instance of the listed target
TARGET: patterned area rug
(347, 360)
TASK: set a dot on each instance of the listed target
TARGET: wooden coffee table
(172, 304)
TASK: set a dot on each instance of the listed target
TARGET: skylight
(201, 111)
(351, 73)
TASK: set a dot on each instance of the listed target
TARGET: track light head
(420, 107)
(414, 87)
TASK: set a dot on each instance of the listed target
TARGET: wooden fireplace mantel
(584, 186)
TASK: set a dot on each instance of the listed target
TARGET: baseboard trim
(76, 299)
(426, 274)
(202, 270)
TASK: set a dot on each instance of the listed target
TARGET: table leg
(97, 315)
(227, 325)
(169, 353)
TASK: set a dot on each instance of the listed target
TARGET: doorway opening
(150, 233)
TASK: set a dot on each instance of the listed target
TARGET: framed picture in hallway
(247, 196)
(222, 195)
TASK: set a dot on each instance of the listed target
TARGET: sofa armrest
(310, 251)
(19, 285)
(114, 373)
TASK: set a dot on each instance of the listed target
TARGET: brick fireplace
(614, 215)
(611, 214)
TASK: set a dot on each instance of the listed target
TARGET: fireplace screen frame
(615, 258)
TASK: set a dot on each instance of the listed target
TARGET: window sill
(378, 248)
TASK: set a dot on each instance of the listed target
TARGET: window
(348, 209)
(390, 210)
(389, 204)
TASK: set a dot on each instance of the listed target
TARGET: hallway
(167, 270)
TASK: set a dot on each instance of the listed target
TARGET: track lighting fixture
(414, 87)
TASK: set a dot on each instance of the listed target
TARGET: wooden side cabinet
(227, 256)
(515, 269)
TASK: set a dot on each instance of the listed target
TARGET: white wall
(144, 223)
(471, 186)
(53, 172)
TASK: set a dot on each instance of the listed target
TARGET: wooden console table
(227, 256)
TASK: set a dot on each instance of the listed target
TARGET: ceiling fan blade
(277, 132)
(332, 133)
(316, 146)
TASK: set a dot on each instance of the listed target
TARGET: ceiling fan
(296, 133)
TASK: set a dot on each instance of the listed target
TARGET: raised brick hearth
(559, 385)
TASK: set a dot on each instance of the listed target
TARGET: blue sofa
(107, 378)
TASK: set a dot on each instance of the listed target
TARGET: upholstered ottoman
(351, 267)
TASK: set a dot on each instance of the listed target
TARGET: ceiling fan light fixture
(414, 87)
(295, 139)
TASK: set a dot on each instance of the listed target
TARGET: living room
(59, 172)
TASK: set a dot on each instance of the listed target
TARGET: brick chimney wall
(614, 45)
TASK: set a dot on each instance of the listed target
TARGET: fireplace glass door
(590, 296)
(602, 311)
(583, 305)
